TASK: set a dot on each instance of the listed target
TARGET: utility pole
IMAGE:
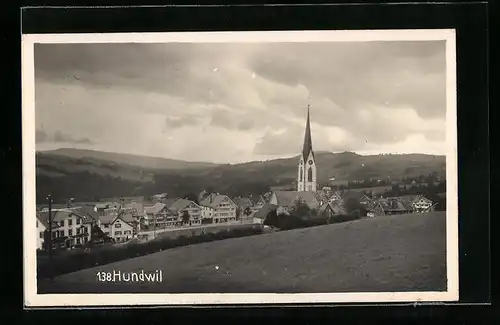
(49, 198)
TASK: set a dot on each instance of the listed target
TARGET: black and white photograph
(240, 167)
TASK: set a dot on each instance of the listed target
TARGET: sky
(230, 103)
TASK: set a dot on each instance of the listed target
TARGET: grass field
(388, 254)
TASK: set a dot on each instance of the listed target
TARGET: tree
(271, 218)
(300, 209)
(185, 217)
(352, 205)
(247, 211)
(191, 197)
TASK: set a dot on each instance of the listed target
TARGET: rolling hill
(88, 175)
(127, 159)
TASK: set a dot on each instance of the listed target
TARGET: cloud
(177, 122)
(226, 102)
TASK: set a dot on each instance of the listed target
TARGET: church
(306, 176)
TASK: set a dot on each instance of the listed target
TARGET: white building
(120, 226)
(40, 231)
(185, 207)
(68, 228)
(224, 209)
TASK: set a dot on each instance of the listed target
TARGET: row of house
(76, 226)
(331, 204)
(120, 219)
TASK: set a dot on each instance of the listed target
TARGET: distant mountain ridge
(89, 174)
(128, 159)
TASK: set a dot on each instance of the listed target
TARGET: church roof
(287, 198)
(307, 139)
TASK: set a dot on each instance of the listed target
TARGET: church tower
(306, 176)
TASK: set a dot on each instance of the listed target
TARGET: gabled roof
(137, 206)
(214, 200)
(243, 202)
(266, 208)
(338, 207)
(170, 201)
(288, 198)
(126, 217)
(180, 204)
(155, 209)
(107, 218)
(88, 214)
(57, 216)
(392, 205)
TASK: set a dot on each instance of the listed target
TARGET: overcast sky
(241, 102)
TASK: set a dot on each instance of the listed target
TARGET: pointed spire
(307, 138)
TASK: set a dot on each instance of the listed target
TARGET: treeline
(86, 186)
(83, 186)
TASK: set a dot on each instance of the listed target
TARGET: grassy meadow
(388, 254)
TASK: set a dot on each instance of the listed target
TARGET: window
(70, 232)
(106, 226)
(41, 234)
(78, 241)
(301, 173)
(310, 175)
(106, 232)
(70, 222)
(117, 225)
(117, 233)
(127, 232)
(61, 223)
(78, 221)
(37, 223)
(77, 231)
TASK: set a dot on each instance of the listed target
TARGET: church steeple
(307, 138)
(306, 175)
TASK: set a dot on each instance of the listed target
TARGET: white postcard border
(33, 299)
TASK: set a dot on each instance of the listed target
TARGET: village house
(207, 214)
(106, 207)
(260, 203)
(69, 229)
(185, 207)
(122, 227)
(330, 210)
(245, 207)
(159, 216)
(41, 226)
(261, 215)
(118, 225)
(136, 209)
(224, 208)
(415, 203)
